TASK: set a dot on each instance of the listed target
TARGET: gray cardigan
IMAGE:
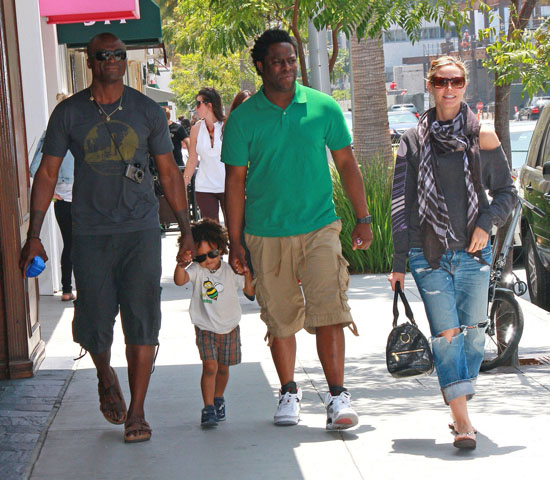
(495, 176)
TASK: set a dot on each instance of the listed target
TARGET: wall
(32, 69)
(36, 100)
(410, 78)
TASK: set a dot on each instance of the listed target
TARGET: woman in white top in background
(205, 140)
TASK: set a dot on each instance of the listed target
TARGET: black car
(535, 231)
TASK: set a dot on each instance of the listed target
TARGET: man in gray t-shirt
(112, 130)
(104, 200)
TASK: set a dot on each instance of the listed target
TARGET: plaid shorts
(225, 348)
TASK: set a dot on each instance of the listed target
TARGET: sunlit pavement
(403, 431)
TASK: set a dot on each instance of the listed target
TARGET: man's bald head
(100, 38)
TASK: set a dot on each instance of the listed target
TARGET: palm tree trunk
(371, 136)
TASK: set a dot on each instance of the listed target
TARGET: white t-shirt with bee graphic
(215, 302)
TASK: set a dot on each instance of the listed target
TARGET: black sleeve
(182, 133)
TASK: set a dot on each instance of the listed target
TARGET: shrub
(377, 177)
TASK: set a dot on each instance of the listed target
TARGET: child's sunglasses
(210, 254)
(103, 55)
(442, 82)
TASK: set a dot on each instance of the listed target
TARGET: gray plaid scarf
(461, 134)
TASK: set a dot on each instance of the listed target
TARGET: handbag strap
(408, 312)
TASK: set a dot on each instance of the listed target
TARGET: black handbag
(408, 352)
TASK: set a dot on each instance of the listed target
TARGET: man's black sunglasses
(210, 254)
(103, 55)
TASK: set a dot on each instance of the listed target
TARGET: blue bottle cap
(36, 267)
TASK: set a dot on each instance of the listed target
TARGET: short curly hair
(210, 231)
(269, 37)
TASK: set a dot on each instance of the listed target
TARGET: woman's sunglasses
(210, 254)
(103, 55)
(442, 82)
(199, 102)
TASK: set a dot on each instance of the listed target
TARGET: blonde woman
(441, 219)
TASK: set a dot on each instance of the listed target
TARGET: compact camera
(134, 173)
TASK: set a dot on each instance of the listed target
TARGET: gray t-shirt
(104, 201)
(215, 303)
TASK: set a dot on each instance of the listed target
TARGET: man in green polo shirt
(278, 180)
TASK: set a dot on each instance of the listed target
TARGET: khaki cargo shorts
(315, 259)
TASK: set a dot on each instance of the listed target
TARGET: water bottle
(36, 267)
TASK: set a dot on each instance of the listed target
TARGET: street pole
(475, 85)
(318, 59)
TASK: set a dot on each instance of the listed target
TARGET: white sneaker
(340, 415)
(288, 411)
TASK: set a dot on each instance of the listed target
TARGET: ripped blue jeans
(455, 296)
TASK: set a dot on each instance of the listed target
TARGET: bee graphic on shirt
(212, 289)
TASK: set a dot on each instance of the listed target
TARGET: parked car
(400, 121)
(520, 137)
(533, 109)
(410, 107)
(534, 183)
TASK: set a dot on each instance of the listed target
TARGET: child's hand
(186, 258)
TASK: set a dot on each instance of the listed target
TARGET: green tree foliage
(226, 26)
(342, 65)
(341, 94)
(521, 56)
(517, 55)
(195, 70)
(368, 18)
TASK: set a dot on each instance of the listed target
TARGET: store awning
(158, 95)
(145, 32)
(62, 11)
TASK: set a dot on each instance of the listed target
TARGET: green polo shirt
(288, 184)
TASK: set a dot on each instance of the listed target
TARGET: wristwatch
(367, 219)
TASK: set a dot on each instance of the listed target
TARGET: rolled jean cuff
(457, 390)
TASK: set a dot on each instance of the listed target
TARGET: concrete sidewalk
(403, 431)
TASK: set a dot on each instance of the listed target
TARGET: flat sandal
(465, 441)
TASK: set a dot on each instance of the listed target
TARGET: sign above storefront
(147, 31)
(62, 11)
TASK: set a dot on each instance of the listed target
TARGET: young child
(215, 311)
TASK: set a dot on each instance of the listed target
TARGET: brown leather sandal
(466, 441)
(111, 399)
(134, 425)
